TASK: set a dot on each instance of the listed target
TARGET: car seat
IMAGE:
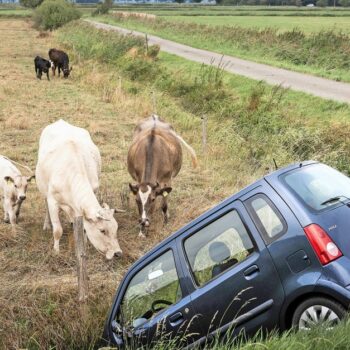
(220, 253)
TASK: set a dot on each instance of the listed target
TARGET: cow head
(146, 194)
(66, 71)
(101, 229)
(18, 185)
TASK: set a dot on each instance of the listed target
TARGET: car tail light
(324, 247)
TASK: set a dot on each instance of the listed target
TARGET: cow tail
(189, 148)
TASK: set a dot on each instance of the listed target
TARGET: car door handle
(251, 271)
(176, 319)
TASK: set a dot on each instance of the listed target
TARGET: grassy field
(281, 23)
(249, 123)
(322, 53)
(203, 10)
(15, 12)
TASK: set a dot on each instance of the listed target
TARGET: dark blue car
(274, 255)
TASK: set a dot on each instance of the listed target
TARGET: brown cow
(154, 158)
(60, 60)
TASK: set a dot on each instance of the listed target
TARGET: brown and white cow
(14, 187)
(154, 158)
(67, 174)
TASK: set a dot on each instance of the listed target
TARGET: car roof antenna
(274, 162)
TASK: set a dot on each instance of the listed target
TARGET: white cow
(67, 174)
(14, 187)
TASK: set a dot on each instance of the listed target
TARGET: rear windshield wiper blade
(330, 200)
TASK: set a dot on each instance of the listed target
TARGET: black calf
(41, 65)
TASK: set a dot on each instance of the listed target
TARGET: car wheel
(316, 311)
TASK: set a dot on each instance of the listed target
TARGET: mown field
(110, 89)
(315, 42)
(310, 25)
(15, 12)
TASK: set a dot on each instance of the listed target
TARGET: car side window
(151, 290)
(266, 217)
(217, 247)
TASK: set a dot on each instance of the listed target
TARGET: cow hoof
(6, 221)
(141, 235)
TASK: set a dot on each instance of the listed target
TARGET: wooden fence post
(80, 252)
(146, 42)
(204, 133)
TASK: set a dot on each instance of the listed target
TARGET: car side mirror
(139, 322)
(117, 328)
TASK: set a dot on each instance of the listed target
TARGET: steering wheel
(160, 301)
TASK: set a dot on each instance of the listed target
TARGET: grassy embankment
(248, 124)
(323, 52)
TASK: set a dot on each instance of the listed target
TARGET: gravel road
(325, 88)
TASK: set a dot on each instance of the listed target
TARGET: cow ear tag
(165, 193)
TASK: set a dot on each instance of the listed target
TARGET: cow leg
(47, 222)
(40, 73)
(59, 70)
(56, 224)
(6, 214)
(53, 70)
(18, 209)
(47, 74)
(11, 212)
(70, 214)
(142, 233)
(165, 210)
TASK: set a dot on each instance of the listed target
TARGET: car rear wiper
(333, 199)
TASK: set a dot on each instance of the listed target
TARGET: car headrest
(219, 252)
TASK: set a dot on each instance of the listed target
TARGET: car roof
(271, 177)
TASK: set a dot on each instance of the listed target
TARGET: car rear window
(318, 186)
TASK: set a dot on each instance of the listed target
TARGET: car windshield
(151, 290)
(318, 186)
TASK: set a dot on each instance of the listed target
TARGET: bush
(30, 3)
(101, 45)
(103, 8)
(52, 14)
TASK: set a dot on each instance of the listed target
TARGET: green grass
(323, 53)
(274, 113)
(196, 10)
(281, 23)
(15, 12)
(319, 339)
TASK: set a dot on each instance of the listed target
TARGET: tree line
(319, 3)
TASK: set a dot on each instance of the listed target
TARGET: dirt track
(325, 88)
